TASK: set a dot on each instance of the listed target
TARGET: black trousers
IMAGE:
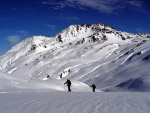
(93, 89)
(69, 89)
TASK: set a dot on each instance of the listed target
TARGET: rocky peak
(144, 35)
(75, 32)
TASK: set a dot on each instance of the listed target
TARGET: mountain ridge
(94, 53)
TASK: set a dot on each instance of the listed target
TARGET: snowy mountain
(86, 54)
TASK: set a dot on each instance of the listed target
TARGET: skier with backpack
(93, 87)
(68, 83)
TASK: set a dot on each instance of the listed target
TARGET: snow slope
(97, 53)
(62, 102)
(9, 83)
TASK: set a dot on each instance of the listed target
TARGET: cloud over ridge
(104, 6)
(13, 39)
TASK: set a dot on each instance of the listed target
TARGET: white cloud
(105, 6)
(50, 26)
(71, 18)
(46, 2)
(139, 29)
(136, 3)
(13, 39)
(22, 32)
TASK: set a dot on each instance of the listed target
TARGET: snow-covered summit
(145, 35)
(97, 53)
(93, 31)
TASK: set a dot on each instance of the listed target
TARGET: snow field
(73, 102)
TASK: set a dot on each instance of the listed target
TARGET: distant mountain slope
(97, 53)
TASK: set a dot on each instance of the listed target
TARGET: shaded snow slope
(97, 53)
(61, 102)
(8, 83)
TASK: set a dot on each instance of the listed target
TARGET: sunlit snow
(97, 54)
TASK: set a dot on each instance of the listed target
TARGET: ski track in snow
(63, 102)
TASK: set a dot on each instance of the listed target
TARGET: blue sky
(20, 19)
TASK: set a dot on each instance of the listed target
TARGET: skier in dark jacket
(93, 87)
(68, 82)
(48, 76)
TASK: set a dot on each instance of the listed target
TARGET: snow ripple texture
(63, 102)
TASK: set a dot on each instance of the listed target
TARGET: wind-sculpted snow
(85, 53)
(62, 102)
(9, 83)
